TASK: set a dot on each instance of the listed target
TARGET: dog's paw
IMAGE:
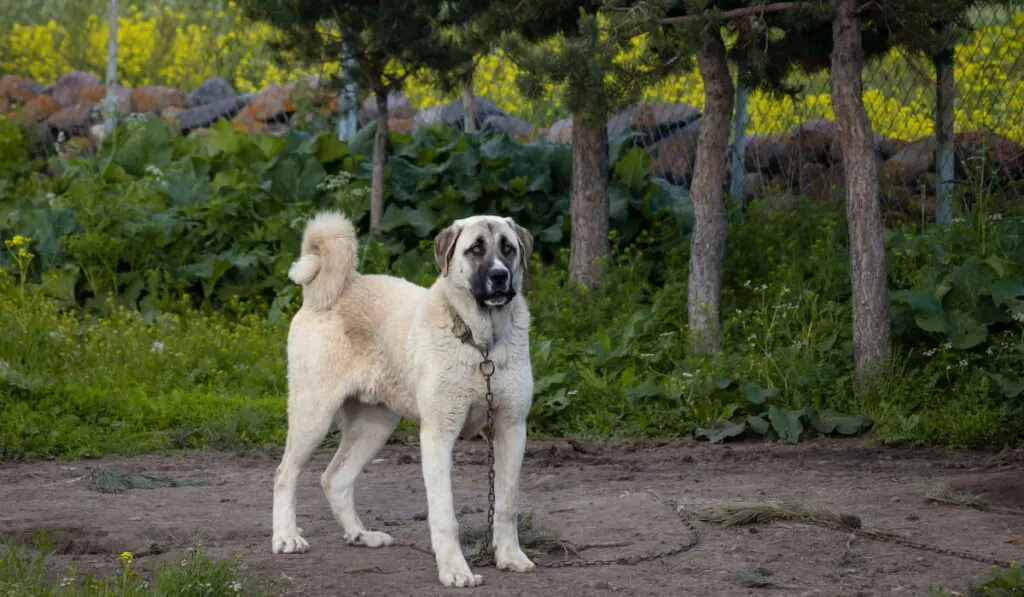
(515, 561)
(457, 577)
(369, 539)
(289, 543)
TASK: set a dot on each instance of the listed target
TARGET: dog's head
(485, 255)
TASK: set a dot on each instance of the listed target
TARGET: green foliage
(153, 215)
(156, 311)
(26, 570)
(1001, 583)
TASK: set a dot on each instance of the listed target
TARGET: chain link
(487, 369)
(642, 557)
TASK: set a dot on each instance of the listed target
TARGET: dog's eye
(477, 249)
(507, 248)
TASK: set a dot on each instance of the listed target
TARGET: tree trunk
(380, 160)
(707, 248)
(589, 201)
(945, 95)
(871, 318)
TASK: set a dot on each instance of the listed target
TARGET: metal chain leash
(487, 369)
(897, 540)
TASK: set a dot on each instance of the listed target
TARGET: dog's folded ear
(444, 248)
(525, 242)
(525, 249)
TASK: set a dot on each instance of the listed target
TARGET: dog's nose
(498, 276)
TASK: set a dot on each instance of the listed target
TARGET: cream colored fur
(367, 350)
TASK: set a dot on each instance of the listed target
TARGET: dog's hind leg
(365, 428)
(309, 418)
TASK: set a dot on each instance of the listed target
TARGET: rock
(510, 124)
(812, 142)
(400, 125)
(653, 120)
(203, 116)
(1002, 156)
(15, 89)
(92, 93)
(754, 184)
(70, 85)
(452, 113)
(210, 91)
(560, 131)
(73, 121)
(885, 146)
(273, 104)
(674, 157)
(396, 101)
(907, 165)
(154, 99)
(37, 109)
(764, 153)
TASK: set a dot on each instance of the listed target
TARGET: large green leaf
(787, 424)
(632, 169)
(756, 394)
(1005, 292)
(964, 331)
(618, 201)
(828, 422)
(720, 431)
(222, 137)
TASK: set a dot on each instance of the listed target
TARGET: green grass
(28, 571)
(77, 386)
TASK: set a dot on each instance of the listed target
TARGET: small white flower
(687, 374)
(647, 355)
(158, 346)
(235, 586)
(746, 284)
(762, 288)
(1019, 317)
(66, 581)
(947, 346)
(572, 392)
(798, 344)
(994, 217)
(957, 220)
(930, 353)
(665, 334)
(785, 290)
(751, 337)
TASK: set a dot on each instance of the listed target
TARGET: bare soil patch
(589, 492)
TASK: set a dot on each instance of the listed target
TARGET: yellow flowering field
(164, 46)
(167, 46)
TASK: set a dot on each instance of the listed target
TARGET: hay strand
(108, 480)
(745, 514)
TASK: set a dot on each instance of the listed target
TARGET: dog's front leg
(437, 438)
(509, 445)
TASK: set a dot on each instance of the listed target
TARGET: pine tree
(388, 40)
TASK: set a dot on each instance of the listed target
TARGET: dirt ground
(587, 492)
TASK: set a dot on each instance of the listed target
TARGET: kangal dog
(367, 350)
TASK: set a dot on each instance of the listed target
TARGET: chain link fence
(192, 63)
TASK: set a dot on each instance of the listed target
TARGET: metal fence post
(110, 108)
(739, 134)
(347, 104)
(945, 92)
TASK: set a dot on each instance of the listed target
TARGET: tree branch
(739, 13)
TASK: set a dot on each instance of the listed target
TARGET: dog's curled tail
(329, 251)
